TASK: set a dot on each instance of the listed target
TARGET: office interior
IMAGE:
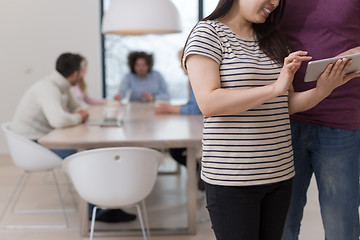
(33, 34)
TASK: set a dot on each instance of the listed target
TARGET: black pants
(248, 213)
(179, 155)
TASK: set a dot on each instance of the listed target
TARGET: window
(165, 49)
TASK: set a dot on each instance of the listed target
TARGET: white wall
(33, 33)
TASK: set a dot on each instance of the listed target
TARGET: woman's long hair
(271, 41)
(82, 86)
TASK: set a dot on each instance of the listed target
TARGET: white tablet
(316, 68)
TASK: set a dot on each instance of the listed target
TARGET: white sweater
(48, 104)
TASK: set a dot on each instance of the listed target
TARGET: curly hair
(133, 56)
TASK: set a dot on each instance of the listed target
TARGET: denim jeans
(249, 213)
(333, 156)
(63, 153)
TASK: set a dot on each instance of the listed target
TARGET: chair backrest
(27, 154)
(113, 177)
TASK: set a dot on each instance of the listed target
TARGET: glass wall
(165, 50)
(209, 6)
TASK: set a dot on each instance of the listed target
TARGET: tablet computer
(316, 68)
(105, 123)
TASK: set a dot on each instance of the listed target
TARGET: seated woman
(145, 84)
(79, 91)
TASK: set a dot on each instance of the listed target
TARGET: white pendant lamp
(137, 17)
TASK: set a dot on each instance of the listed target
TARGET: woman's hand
(334, 76)
(117, 97)
(148, 97)
(291, 64)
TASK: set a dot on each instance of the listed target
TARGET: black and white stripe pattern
(252, 147)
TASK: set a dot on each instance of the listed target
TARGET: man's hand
(350, 51)
(84, 115)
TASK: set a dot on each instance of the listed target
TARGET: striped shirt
(252, 147)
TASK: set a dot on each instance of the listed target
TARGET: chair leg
(41, 211)
(93, 222)
(18, 186)
(141, 221)
(60, 198)
(69, 191)
(24, 179)
(146, 219)
(16, 195)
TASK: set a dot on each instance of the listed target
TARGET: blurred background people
(190, 107)
(142, 83)
(80, 92)
(48, 104)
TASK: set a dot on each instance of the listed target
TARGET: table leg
(191, 190)
(84, 218)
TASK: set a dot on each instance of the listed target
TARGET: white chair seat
(114, 177)
(31, 157)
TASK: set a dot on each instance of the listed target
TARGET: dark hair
(133, 56)
(68, 63)
(271, 41)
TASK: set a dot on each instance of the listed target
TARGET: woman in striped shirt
(241, 73)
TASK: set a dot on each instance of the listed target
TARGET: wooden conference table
(140, 127)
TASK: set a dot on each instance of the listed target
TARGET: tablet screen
(316, 68)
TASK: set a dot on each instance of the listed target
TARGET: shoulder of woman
(208, 25)
(207, 29)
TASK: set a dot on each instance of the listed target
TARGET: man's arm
(50, 101)
(350, 51)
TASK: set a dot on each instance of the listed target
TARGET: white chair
(115, 177)
(31, 157)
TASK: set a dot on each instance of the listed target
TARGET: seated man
(48, 104)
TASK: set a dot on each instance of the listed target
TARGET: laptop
(113, 115)
(105, 123)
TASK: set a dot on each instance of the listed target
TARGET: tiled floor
(166, 208)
